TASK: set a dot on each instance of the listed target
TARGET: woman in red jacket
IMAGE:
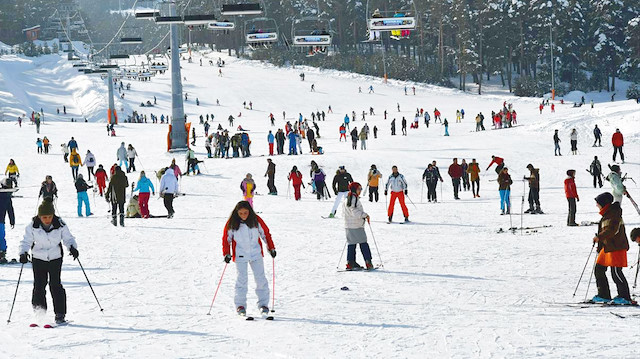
(296, 180)
(618, 141)
(572, 196)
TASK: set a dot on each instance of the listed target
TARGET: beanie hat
(529, 165)
(604, 199)
(353, 186)
(615, 168)
(46, 209)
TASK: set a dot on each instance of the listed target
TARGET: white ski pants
(262, 286)
(339, 197)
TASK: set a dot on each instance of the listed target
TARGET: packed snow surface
(451, 285)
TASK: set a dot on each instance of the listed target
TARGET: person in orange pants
(398, 186)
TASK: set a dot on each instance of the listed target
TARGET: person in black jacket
(81, 188)
(271, 173)
(341, 182)
(6, 207)
(280, 138)
(48, 190)
(117, 194)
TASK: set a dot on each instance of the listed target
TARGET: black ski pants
(431, 190)
(48, 272)
(271, 184)
(571, 218)
(618, 279)
(456, 187)
(465, 182)
(615, 151)
(598, 141)
(114, 208)
(168, 203)
(475, 186)
(373, 194)
(320, 188)
(598, 178)
(132, 166)
(534, 197)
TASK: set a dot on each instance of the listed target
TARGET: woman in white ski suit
(242, 242)
(121, 155)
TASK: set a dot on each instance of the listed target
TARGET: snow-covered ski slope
(451, 287)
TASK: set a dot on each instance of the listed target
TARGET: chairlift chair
(311, 31)
(146, 12)
(221, 25)
(399, 22)
(261, 31)
(239, 7)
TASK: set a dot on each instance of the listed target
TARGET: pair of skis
(250, 318)
(49, 326)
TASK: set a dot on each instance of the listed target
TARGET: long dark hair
(235, 221)
(353, 196)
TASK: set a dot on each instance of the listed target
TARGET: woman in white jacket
(243, 234)
(131, 154)
(44, 236)
(354, 218)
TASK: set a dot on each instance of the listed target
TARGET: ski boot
(170, 215)
(332, 215)
(406, 219)
(623, 301)
(3, 258)
(530, 210)
(352, 265)
(114, 221)
(264, 310)
(369, 265)
(598, 299)
(390, 219)
(122, 219)
(60, 319)
(241, 311)
(539, 210)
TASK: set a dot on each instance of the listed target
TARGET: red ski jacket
(570, 188)
(617, 139)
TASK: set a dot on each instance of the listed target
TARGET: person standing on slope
(145, 186)
(455, 172)
(6, 208)
(373, 180)
(90, 162)
(596, 171)
(618, 189)
(474, 176)
(101, 179)
(398, 186)
(318, 176)
(504, 186)
(556, 143)
(271, 174)
(612, 248)
(81, 188)
(74, 162)
(430, 176)
(618, 141)
(131, 155)
(44, 237)
(296, 180)
(341, 182)
(534, 190)
(242, 243)
(168, 190)
(574, 141)
(571, 193)
(48, 189)
(117, 194)
(354, 219)
(121, 156)
(598, 137)
(248, 187)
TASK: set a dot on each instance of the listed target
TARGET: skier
(271, 173)
(354, 138)
(404, 126)
(145, 186)
(121, 156)
(598, 137)
(101, 178)
(293, 143)
(81, 189)
(12, 172)
(371, 89)
(90, 162)
(248, 186)
(131, 155)
(295, 177)
(596, 171)
(6, 208)
(346, 120)
(72, 144)
(375, 131)
(455, 172)
(618, 189)
(341, 182)
(465, 175)
(393, 127)
(354, 219)
(571, 193)
(44, 236)
(534, 190)
(446, 127)
(45, 145)
(398, 186)
(318, 176)
(74, 162)
(574, 141)
(373, 181)
(612, 249)
(39, 145)
(271, 139)
(618, 141)
(48, 189)
(207, 145)
(499, 164)
(556, 142)
(168, 189)
(242, 242)
(117, 194)
(474, 174)
(280, 138)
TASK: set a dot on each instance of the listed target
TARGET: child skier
(354, 218)
(243, 233)
(101, 179)
(612, 248)
(248, 186)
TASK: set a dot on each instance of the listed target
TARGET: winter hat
(604, 199)
(79, 175)
(569, 172)
(635, 233)
(46, 209)
(353, 187)
(530, 166)
(615, 168)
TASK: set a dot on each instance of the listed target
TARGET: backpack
(76, 158)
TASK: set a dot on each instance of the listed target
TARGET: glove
(24, 258)
(406, 191)
(272, 252)
(227, 258)
(74, 252)
(336, 192)
(385, 193)
(154, 193)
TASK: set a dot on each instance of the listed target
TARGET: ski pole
(273, 293)
(16, 294)
(90, 286)
(220, 282)
(589, 284)
(524, 189)
(140, 161)
(583, 269)
(414, 205)
(341, 254)
(376, 244)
